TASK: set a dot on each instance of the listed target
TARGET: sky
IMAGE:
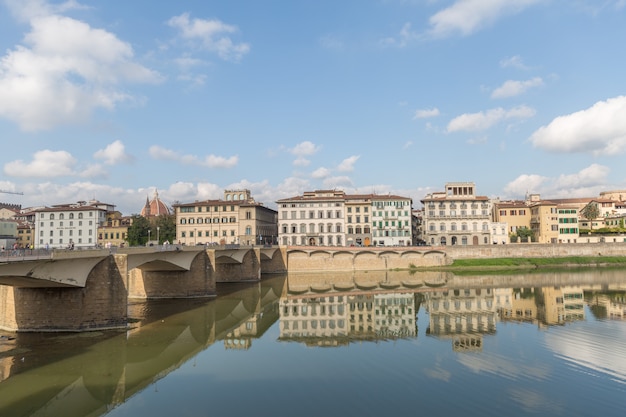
(112, 100)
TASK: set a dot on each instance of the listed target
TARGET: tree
(525, 234)
(590, 212)
(138, 232)
(167, 228)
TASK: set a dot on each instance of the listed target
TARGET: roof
(68, 207)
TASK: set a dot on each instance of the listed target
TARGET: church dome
(154, 207)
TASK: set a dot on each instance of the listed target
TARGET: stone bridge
(90, 289)
(317, 258)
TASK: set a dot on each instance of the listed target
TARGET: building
(544, 221)
(316, 218)
(237, 219)
(516, 215)
(392, 217)
(114, 231)
(457, 216)
(358, 220)
(334, 218)
(154, 207)
(68, 225)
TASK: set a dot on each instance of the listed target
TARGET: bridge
(64, 290)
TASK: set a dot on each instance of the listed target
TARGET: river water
(366, 344)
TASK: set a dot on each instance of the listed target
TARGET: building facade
(334, 218)
(316, 218)
(237, 219)
(457, 216)
(392, 220)
(68, 226)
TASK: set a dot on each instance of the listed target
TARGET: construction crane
(11, 192)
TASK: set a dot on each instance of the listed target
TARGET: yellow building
(115, 230)
(516, 214)
(544, 221)
(237, 219)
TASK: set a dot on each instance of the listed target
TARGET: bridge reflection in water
(38, 378)
(91, 373)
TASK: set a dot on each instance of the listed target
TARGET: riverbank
(518, 256)
(531, 264)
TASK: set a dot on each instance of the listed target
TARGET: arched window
(80, 215)
(71, 215)
(61, 216)
(51, 216)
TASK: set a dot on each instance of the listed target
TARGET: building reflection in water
(73, 375)
(338, 319)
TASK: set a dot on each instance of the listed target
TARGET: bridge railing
(16, 255)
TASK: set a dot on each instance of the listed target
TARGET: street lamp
(158, 237)
(149, 231)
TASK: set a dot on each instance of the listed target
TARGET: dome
(154, 207)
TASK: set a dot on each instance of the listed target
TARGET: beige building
(334, 218)
(516, 215)
(115, 230)
(237, 219)
(358, 220)
(544, 221)
(457, 216)
(316, 218)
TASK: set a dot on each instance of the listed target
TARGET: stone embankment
(317, 259)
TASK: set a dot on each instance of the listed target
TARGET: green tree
(138, 232)
(525, 234)
(167, 228)
(590, 212)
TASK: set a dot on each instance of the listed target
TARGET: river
(366, 344)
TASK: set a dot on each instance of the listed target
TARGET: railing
(14, 255)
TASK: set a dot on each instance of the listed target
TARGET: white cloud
(407, 144)
(484, 120)
(213, 161)
(210, 161)
(321, 172)
(45, 164)
(113, 154)
(212, 36)
(337, 182)
(513, 88)
(28, 9)
(465, 17)
(94, 171)
(405, 36)
(588, 181)
(64, 71)
(347, 165)
(303, 150)
(600, 130)
(426, 113)
(514, 62)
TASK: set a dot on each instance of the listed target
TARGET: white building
(314, 218)
(391, 220)
(334, 218)
(457, 216)
(68, 225)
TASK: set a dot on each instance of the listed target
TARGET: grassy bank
(540, 262)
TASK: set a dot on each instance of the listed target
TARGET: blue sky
(114, 99)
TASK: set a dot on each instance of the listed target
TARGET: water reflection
(91, 373)
(575, 319)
